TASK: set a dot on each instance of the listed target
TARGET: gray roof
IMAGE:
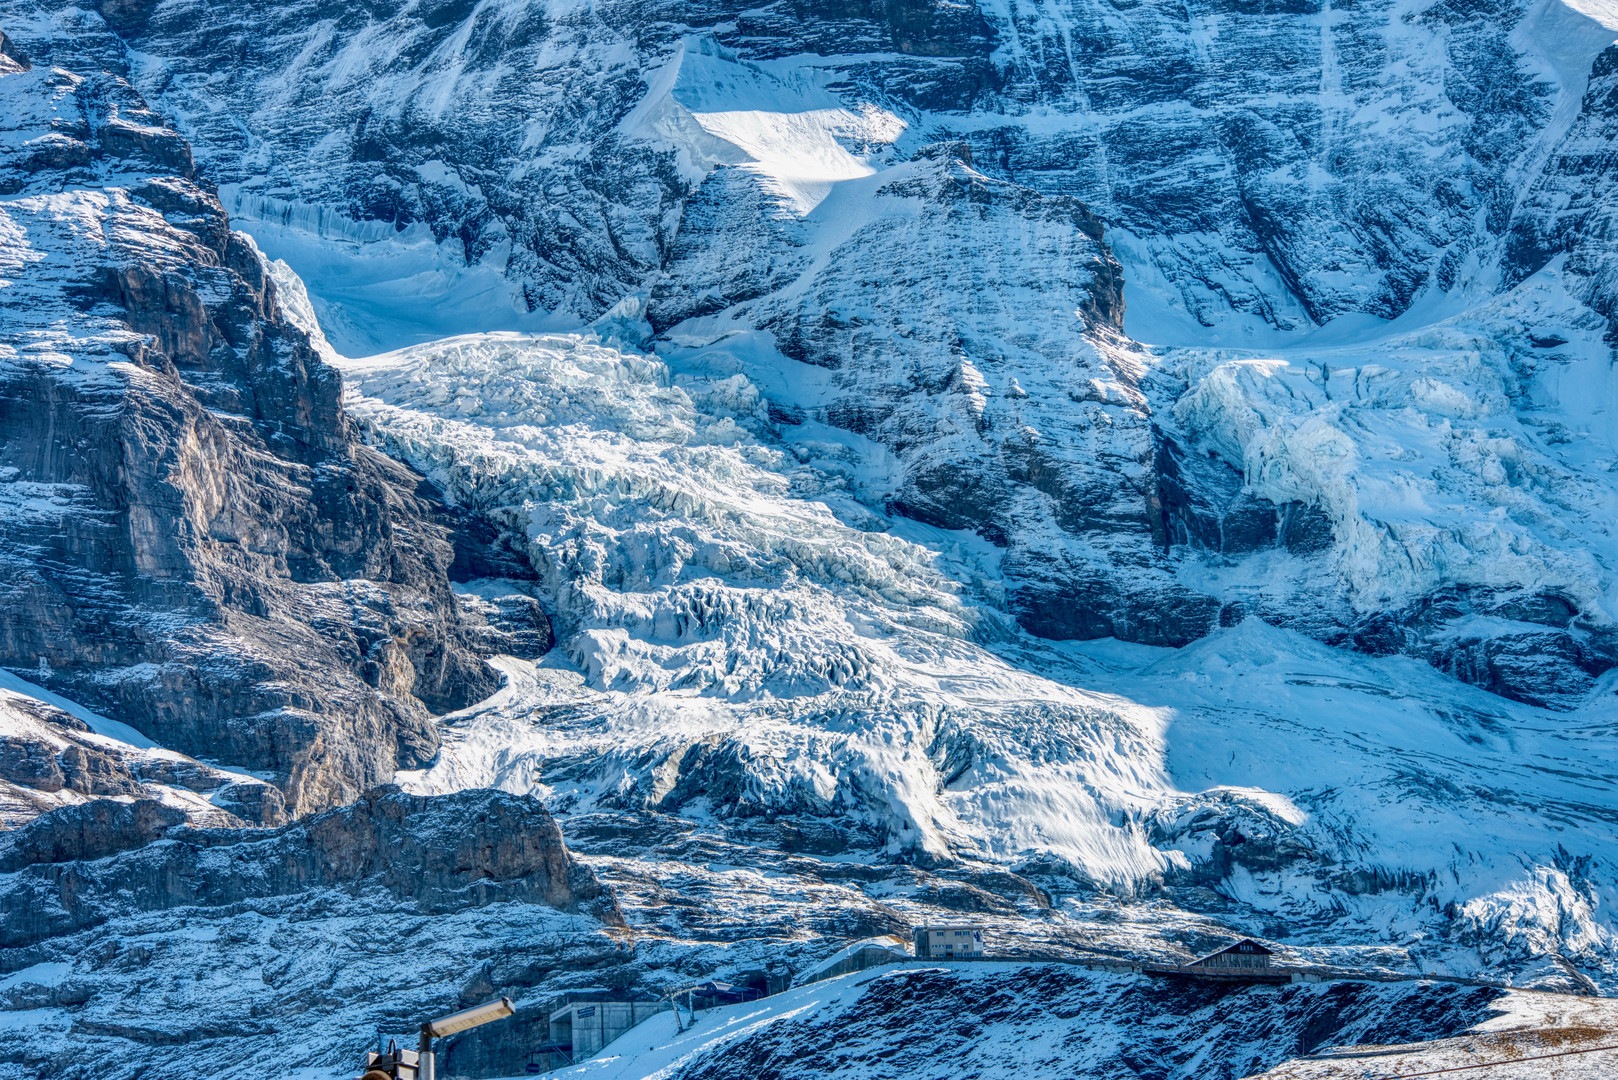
(1245, 945)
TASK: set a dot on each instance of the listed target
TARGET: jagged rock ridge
(195, 540)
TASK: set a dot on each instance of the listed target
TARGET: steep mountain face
(195, 541)
(1021, 421)
(1567, 210)
(726, 174)
(1239, 145)
(1060, 463)
(1275, 167)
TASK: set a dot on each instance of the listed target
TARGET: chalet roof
(1246, 946)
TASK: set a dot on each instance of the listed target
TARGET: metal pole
(425, 1069)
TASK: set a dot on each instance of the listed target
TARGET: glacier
(1266, 180)
(728, 604)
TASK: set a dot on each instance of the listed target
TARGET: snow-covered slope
(742, 637)
(1001, 1021)
(898, 567)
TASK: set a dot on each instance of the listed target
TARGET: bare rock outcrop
(51, 759)
(87, 831)
(75, 868)
(193, 540)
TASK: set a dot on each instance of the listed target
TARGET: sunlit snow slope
(740, 634)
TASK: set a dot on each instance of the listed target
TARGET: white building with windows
(941, 942)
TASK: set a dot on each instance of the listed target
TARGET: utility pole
(397, 1064)
(465, 1020)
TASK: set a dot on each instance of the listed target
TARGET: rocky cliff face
(843, 433)
(1568, 209)
(1022, 422)
(80, 866)
(429, 897)
(195, 541)
(1260, 172)
(51, 758)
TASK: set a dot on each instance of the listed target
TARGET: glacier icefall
(730, 648)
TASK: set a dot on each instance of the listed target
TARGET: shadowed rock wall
(192, 538)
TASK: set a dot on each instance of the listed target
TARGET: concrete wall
(869, 957)
(590, 1025)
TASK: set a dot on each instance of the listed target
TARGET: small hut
(1245, 955)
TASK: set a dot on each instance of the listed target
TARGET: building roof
(713, 986)
(1245, 945)
(895, 946)
(597, 995)
(887, 944)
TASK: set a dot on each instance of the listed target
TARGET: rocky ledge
(78, 867)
